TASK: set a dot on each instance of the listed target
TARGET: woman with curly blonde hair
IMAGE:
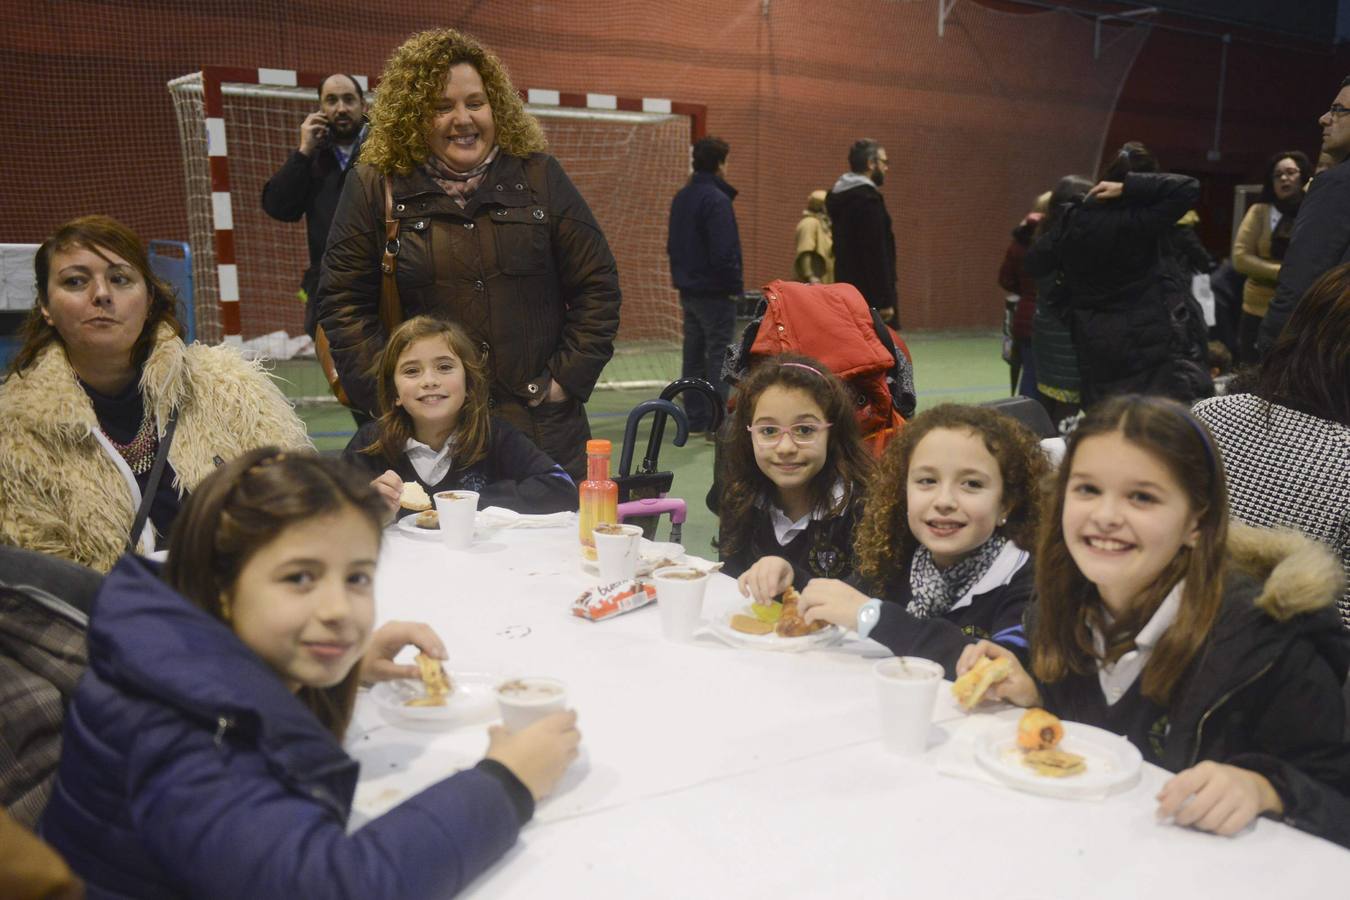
(940, 547)
(491, 235)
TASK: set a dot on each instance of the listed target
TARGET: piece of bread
(435, 680)
(970, 687)
(1055, 763)
(1039, 730)
(429, 519)
(751, 625)
(414, 497)
(790, 622)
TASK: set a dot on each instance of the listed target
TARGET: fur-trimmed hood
(62, 494)
(1297, 575)
(1279, 604)
(48, 399)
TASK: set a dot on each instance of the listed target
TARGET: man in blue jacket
(705, 264)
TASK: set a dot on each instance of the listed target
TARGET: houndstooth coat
(1286, 468)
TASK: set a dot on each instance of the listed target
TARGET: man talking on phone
(310, 181)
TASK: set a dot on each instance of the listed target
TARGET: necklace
(139, 452)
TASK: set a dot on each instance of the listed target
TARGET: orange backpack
(834, 324)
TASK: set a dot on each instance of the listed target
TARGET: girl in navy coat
(202, 753)
(435, 429)
(1213, 647)
(941, 546)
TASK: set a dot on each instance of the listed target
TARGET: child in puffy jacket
(202, 753)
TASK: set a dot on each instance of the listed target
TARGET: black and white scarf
(934, 591)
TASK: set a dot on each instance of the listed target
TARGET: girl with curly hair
(435, 430)
(492, 235)
(795, 475)
(941, 545)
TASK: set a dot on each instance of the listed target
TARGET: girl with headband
(795, 475)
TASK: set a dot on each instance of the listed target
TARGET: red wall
(976, 122)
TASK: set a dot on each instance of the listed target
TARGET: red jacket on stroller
(834, 324)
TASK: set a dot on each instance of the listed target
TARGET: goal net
(627, 164)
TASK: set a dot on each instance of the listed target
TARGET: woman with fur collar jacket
(90, 394)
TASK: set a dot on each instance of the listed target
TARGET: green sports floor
(949, 367)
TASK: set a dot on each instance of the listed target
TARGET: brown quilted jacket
(523, 267)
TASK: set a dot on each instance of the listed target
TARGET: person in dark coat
(1016, 281)
(310, 182)
(1213, 647)
(202, 753)
(705, 265)
(1321, 236)
(864, 243)
(1058, 381)
(1107, 250)
(493, 235)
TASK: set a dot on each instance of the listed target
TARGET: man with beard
(310, 181)
(1321, 237)
(864, 245)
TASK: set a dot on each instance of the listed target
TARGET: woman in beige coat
(1261, 241)
(102, 372)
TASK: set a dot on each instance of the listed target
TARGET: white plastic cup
(679, 597)
(906, 691)
(524, 701)
(616, 549)
(456, 510)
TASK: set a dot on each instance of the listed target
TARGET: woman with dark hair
(1107, 249)
(102, 381)
(1262, 238)
(1286, 441)
(491, 235)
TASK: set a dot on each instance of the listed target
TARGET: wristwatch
(868, 614)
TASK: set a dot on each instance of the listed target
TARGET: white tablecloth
(710, 771)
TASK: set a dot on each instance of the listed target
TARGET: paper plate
(474, 698)
(721, 626)
(650, 553)
(494, 518)
(408, 526)
(1113, 763)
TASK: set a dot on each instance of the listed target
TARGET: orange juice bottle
(598, 494)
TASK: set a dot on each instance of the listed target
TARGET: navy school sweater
(515, 474)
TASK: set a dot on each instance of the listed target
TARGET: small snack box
(609, 600)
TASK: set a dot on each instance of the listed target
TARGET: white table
(709, 771)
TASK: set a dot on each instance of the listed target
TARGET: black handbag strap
(152, 485)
